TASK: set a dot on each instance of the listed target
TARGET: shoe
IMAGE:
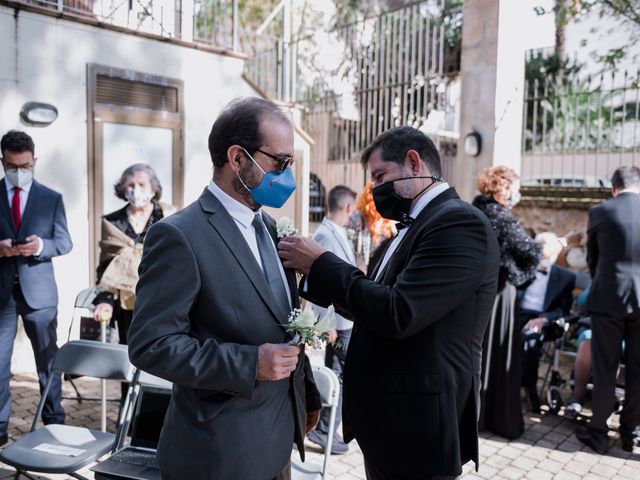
(627, 445)
(572, 411)
(534, 402)
(584, 435)
(4, 438)
(338, 447)
(318, 438)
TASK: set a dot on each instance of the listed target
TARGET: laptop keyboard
(136, 458)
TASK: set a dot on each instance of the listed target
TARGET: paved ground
(548, 450)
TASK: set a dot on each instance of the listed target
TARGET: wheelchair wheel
(554, 399)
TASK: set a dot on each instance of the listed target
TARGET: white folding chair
(329, 387)
(65, 448)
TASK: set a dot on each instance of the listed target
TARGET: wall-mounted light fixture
(38, 114)
(473, 144)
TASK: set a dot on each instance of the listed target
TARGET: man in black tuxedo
(613, 255)
(412, 372)
(546, 299)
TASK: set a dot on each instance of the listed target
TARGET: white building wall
(45, 59)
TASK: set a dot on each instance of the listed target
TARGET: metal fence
(576, 132)
(394, 69)
(213, 22)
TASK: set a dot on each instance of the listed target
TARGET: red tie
(15, 206)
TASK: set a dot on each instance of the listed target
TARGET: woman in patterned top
(519, 257)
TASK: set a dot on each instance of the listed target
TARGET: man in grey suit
(212, 301)
(613, 255)
(332, 235)
(33, 229)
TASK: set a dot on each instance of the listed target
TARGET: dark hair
(17, 142)
(396, 142)
(625, 177)
(338, 197)
(120, 187)
(239, 124)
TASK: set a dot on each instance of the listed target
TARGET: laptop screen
(149, 417)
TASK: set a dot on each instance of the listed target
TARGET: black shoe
(534, 402)
(599, 446)
(4, 438)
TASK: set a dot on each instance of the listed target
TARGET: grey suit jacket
(203, 307)
(43, 216)
(613, 255)
(330, 238)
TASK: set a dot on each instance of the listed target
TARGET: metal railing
(576, 132)
(388, 70)
(213, 22)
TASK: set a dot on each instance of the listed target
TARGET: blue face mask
(274, 189)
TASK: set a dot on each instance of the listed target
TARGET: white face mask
(139, 198)
(515, 198)
(19, 177)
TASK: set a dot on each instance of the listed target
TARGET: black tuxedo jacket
(558, 297)
(412, 373)
(613, 255)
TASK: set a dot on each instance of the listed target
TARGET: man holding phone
(33, 230)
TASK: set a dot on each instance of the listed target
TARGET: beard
(250, 179)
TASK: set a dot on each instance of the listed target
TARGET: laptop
(138, 461)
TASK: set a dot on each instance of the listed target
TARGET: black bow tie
(405, 222)
(544, 272)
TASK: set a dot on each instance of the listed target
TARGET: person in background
(546, 299)
(613, 255)
(123, 234)
(33, 229)
(331, 234)
(502, 346)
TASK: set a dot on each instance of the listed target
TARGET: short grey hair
(120, 186)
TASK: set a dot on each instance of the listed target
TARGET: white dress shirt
(414, 212)
(243, 217)
(534, 295)
(24, 196)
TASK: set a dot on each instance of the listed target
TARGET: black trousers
(606, 350)
(374, 473)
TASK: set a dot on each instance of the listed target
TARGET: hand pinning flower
(308, 329)
(285, 227)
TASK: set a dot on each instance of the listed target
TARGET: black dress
(120, 219)
(500, 410)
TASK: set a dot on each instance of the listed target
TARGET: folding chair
(329, 387)
(65, 448)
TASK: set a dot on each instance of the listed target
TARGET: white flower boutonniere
(308, 329)
(285, 227)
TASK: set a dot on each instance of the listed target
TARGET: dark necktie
(15, 207)
(270, 263)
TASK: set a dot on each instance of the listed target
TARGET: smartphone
(18, 242)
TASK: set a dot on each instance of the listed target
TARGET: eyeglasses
(283, 161)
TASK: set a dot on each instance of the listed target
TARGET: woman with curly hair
(519, 257)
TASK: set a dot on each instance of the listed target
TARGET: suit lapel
(548, 295)
(225, 226)
(5, 209)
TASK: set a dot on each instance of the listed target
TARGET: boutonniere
(309, 329)
(285, 227)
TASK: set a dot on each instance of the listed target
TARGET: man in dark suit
(546, 299)
(613, 255)
(33, 229)
(212, 301)
(412, 373)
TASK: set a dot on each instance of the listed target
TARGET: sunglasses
(283, 161)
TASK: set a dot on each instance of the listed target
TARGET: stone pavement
(548, 450)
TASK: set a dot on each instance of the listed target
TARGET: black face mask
(394, 207)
